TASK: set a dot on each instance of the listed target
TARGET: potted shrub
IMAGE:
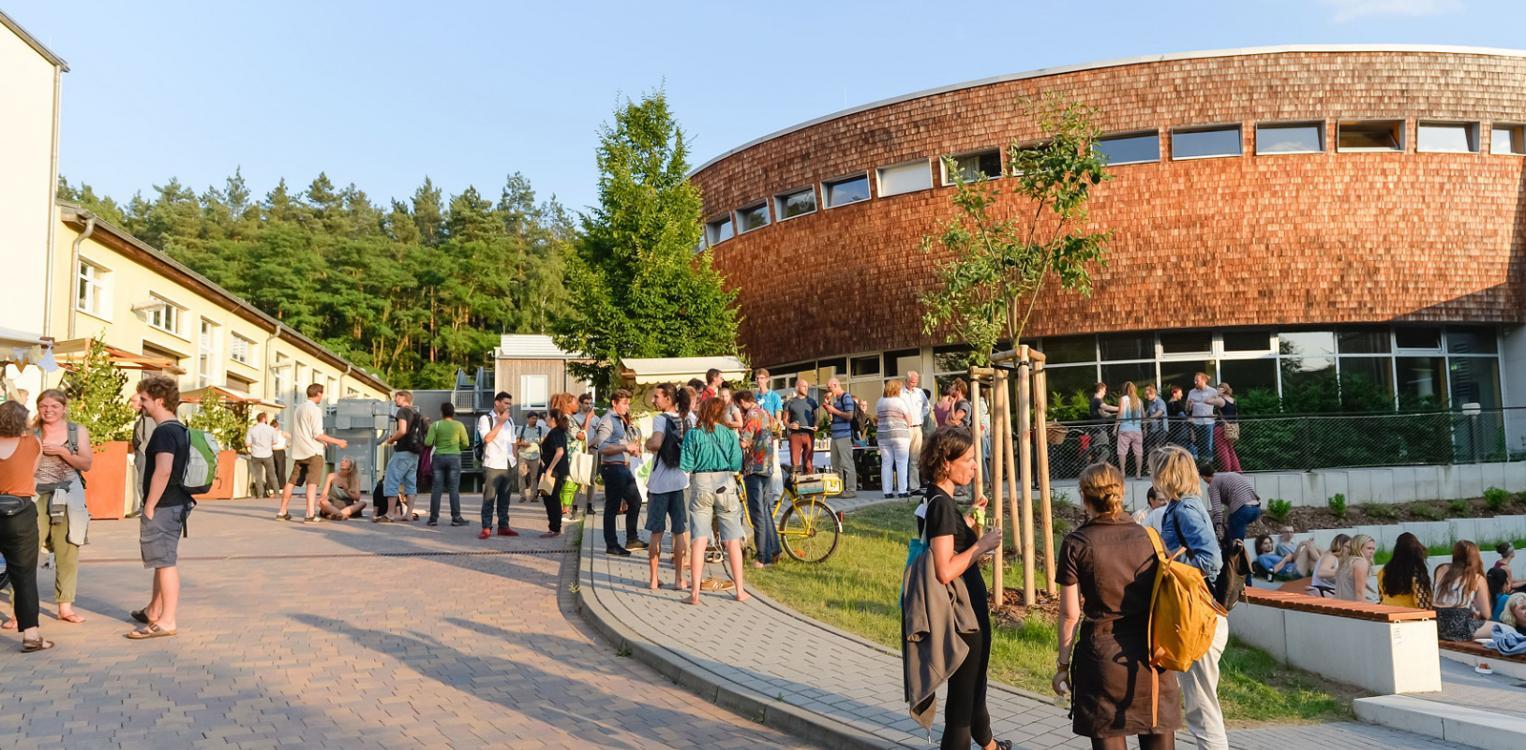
(95, 401)
(228, 423)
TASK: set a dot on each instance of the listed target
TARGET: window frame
(780, 198)
(1509, 126)
(1403, 131)
(525, 378)
(768, 217)
(1001, 164)
(1471, 130)
(1239, 129)
(1321, 126)
(879, 177)
(1127, 134)
(713, 222)
(99, 282)
(165, 305)
(208, 351)
(248, 348)
(826, 192)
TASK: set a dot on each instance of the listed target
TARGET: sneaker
(309, 519)
(434, 522)
(635, 544)
(506, 531)
(485, 534)
(567, 518)
(618, 552)
(283, 516)
(459, 522)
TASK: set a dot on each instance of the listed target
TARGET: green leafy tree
(999, 253)
(642, 291)
(95, 395)
(229, 423)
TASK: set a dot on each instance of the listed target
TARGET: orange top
(17, 475)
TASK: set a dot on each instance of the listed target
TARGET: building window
(798, 203)
(93, 294)
(242, 350)
(974, 165)
(1509, 139)
(1122, 346)
(1453, 137)
(1370, 135)
(1418, 338)
(865, 366)
(534, 391)
(1201, 143)
(1247, 341)
(1290, 138)
(1472, 341)
(164, 315)
(1186, 342)
(904, 178)
(752, 217)
(846, 190)
(1132, 148)
(719, 231)
(206, 355)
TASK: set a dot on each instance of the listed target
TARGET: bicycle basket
(819, 484)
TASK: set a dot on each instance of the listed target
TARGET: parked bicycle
(810, 528)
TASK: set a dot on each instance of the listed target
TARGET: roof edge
(26, 36)
(1113, 63)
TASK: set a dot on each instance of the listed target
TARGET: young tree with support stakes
(999, 254)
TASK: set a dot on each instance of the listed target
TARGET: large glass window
(865, 366)
(93, 294)
(164, 315)
(1290, 138)
(905, 178)
(1133, 148)
(1247, 341)
(1472, 341)
(242, 350)
(1422, 382)
(718, 231)
(1140, 373)
(847, 190)
(1181, 373)
(1246, 375)
(1127, 346)
(1475, 380)
(1186, 342)
(206, 354)
(1370, 135)
(1066, 349)
(1367, 384)
(975, 165)
(1418, 338)
(1447, 136)
(1069, 382)
(1198, 143)
(1310, 350)
(1508, 139)
(752, 217)
(798, 203)
(1375, 341)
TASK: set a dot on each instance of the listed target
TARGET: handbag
(11, 505)
(580, 468)
(547, 483)
(1232, 431)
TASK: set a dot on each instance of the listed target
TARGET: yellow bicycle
(809, 529)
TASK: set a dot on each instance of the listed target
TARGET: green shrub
(1379, 511)
(1457, 507)
(1433, 513)
(1337, 505)
(1496, 499)
(95, 392)
(1278, 509)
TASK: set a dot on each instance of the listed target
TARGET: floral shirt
(758, 458)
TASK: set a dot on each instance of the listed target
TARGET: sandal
(9, 624)
(152, 631)
(40, 644)
(141, 615)
(72, 617)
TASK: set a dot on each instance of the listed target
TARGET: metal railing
(1309, 441)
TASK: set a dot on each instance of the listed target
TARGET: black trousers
(619, 484)
(18, 544)
(554, 506)
(965, 717)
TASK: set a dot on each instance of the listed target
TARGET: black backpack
(417, 428)
(860, 420)
(1230, 584)
(672, 441)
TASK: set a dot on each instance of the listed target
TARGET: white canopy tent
(651, 371)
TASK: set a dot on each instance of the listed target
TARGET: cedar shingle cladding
(1251, 240)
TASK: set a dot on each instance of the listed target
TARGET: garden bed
(1334, 517)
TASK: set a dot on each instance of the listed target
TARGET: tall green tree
(1000, 252)
(641, 289)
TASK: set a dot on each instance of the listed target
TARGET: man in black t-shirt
(1101, 414)
(401, 479)
(165, 505)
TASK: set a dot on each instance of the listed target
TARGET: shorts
(664, 508)
(402, 474)
(159, 537)
(306, 471)
(715, 499)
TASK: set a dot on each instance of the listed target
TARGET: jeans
(18, 544)
(402, 475)
(765, 534)
(895, 453)
(1238, 521)
(497, 492)
(262, 471)
(1202, 441)
(529, 479)
(447, 476)
(619, 484)
(842, 461)
(1200, 694)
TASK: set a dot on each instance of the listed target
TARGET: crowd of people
(1204, 420)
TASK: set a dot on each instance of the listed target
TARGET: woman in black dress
(1107, 572)
(949, 457)
(553, 448)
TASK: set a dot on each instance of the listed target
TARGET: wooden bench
(1376, 647)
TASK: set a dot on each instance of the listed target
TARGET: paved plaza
(345, 635)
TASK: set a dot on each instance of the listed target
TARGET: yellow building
(157, 315)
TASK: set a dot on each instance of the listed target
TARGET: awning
(73, 351)
(228, 396)
(679, 369)
(20, 347)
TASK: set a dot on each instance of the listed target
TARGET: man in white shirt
(307, 441)
(1200, 402)
(497, 432)
(527, 443)
(262, 458)
(917, 409)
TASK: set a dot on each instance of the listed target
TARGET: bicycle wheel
(810, 531)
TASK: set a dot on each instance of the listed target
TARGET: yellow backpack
(1183, 613)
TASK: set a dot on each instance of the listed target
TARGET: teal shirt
(447, 436)
(710, 451)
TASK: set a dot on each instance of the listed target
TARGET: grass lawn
(858, 590)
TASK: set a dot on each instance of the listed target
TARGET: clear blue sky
(383, 93)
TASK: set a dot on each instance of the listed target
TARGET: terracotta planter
(106, 484)
(223, 485)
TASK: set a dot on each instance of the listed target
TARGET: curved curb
(746, 702)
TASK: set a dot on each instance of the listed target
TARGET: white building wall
(27, 179)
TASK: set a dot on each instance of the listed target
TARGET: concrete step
(1460, 725)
